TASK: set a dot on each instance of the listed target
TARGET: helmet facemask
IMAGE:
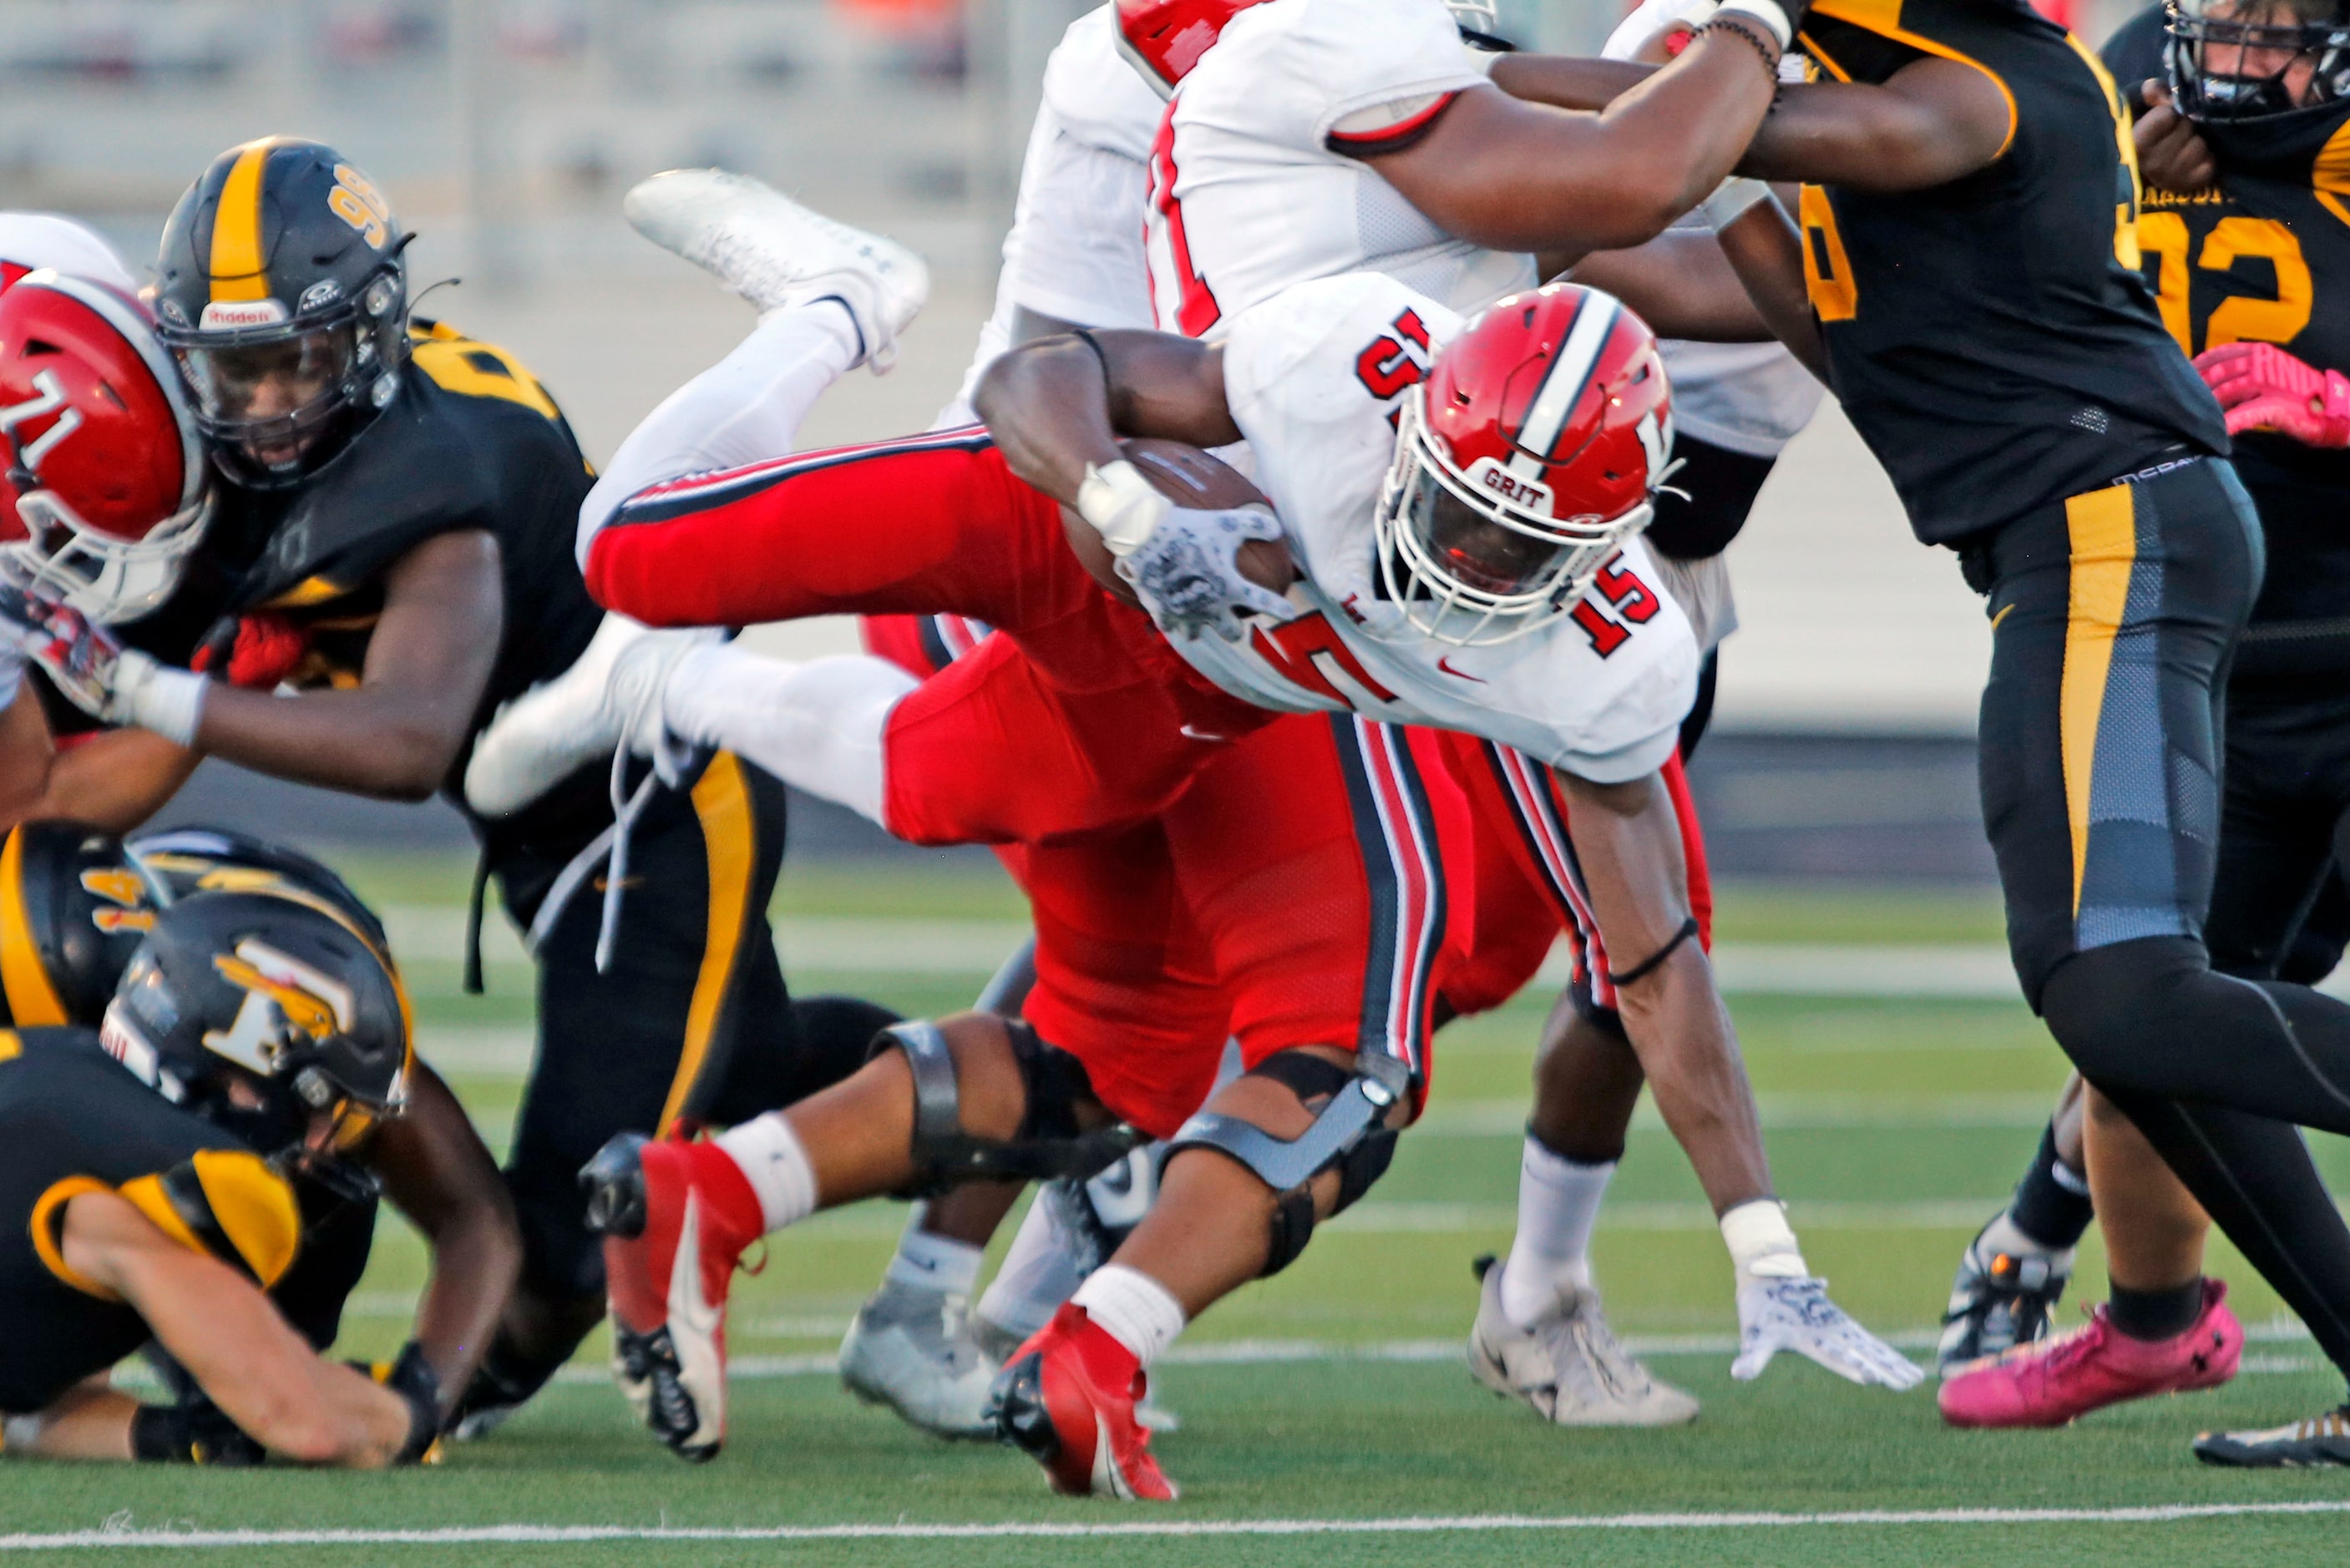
(2243, 59)
(109, 580)
(1474, 557)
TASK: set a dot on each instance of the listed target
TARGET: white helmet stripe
(139, 333)
(1562, 389)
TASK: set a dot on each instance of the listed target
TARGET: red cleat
(2064, 1378)
(1066, 1398)
(675, 1218)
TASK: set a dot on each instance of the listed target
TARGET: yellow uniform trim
(146, 1194)
(254, 1208)
(2331, 175)
(1883, 17)
(46, 1223)
(729, 835)
(449, 359)
(24, 979)
(2102, 527)
(309, 591)
(237, 263)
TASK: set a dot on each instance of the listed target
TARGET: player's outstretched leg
(942, 1103)
(773, 251)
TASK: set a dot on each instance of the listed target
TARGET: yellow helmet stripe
(237, 260)
(24, 980)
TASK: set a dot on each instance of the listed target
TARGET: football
(1189, 477)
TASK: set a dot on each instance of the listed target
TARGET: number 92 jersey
(2264, 257)
(1312, 376)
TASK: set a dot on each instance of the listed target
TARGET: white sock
(1133, 1309)
(775, 1163)
(1558, 1205)
(818, 724)
(1762, 1243)
(745, 408)
(934, 1263)
(1039, 1272)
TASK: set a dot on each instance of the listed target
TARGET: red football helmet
(104, 492)
(1523, 464)
(1164, 39)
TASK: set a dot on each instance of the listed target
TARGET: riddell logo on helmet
(1523, 493)
(225, 316)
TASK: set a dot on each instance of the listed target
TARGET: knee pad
(1346, 1133)
(1048, 1144)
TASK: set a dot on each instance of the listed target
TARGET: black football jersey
(2264, 256)
(72, 1121)
(471, 440)
(1993, 339)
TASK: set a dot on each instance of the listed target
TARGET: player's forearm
(92, 1421)
(1681, 286)
(115, 781)
(394, 743)
(1764, 250)
(1931, 122)
(475, 1263)
(1563, 81)
(1048, 405)
(1687, 1047)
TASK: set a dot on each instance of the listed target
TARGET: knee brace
(1347, 1133)
(1048, 1144)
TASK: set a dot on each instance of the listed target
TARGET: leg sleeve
(745, 408)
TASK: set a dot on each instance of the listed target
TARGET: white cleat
(609, 697)
(913, 1349)
(775, 252)
(1569, 1367)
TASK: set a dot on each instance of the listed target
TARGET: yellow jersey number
(2163, 236)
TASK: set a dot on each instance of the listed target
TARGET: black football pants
(2114, 616)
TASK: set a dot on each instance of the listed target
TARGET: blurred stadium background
(507, 130)
(1902, 1080)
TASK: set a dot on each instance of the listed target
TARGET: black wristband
(195, 1431)
(412, 1379)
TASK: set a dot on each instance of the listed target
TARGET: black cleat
(1999, 1301)
(2299, 1445)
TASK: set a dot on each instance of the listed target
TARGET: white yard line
(1464, 1524)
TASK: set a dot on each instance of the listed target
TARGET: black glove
(411, 1376)
(195, 1431)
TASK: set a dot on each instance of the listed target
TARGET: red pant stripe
(1401, 864)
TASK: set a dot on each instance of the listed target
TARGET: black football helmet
(2229, 59)
(184, 861)
(282, 292)
(274, 1018)
(74, 906)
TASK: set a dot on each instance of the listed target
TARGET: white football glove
(1653, 19)
(92, 669)
(1180, 560)
(1189, 579)
(1795, 1313)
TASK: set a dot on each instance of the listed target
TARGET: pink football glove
(2264, 387)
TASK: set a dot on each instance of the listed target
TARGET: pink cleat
(2064, 1378)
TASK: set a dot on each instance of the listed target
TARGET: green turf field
(1336, 1392)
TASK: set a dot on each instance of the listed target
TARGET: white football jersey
(1749, 397)
(1075, 251)
(1313, 377)
(1248, 196)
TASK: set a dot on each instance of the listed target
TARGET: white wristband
(1122, 505)
(1730, 201)
(11, 673)
(171, 703)
(1760, 1242)
(1767, 12)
